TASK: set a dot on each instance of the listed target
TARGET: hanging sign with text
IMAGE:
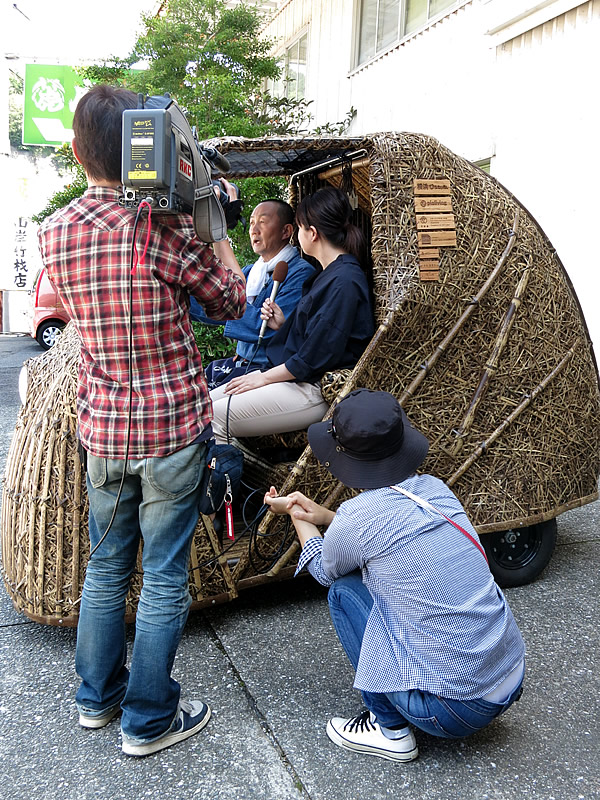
(436, 225)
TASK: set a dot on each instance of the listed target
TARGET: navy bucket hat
(369, 442)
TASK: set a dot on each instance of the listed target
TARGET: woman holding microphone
(328, 330)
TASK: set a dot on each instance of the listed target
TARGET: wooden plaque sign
(428, 205)
(429, 275)
(435, 222)
(436, 225)
(436, 238)
(423, 186)
(429, 254)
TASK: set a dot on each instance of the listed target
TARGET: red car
(49, 315)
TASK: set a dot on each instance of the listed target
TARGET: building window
(292, 81)
(383, 22)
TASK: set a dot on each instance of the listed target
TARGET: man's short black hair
(97, 125)
(285, 212)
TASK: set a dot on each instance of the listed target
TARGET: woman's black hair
(329, 211)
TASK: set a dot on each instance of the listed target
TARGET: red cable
(136, 260)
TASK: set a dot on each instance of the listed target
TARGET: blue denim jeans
(350, 604)
(159, 503)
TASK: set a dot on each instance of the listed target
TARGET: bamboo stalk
(492, 363)
(284, 560)
(60, 514)
(39, 524)
(459, 325)
(76, 532)
(335, 171)
(31, 473)
(512, 416)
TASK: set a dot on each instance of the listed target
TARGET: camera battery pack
(147, 148)
(162, 164)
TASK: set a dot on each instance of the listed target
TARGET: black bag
(222, 476)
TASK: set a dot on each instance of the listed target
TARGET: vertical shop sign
(20, 268)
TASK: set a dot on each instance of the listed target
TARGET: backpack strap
(426, 504)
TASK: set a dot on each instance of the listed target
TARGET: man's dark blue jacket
(246, 329)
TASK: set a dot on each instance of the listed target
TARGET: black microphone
(279, 275)
(218, 160)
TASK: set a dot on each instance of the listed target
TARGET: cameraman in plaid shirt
(86, 249)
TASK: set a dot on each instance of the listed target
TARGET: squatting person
(430, 635)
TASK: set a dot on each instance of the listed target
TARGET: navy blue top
(331, 325)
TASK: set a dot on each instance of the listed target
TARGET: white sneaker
(363, 735)
(98, 719)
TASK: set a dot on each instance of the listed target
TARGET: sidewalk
(273, 672)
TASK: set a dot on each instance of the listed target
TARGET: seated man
(271, 228)
(430, 635)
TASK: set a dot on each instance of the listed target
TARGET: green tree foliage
(65, 162)
(211, 342)
(209, 57)
(213, 61)
(285, 117)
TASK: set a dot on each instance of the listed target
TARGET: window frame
(283, 61)
(485, 164)
(401, 36)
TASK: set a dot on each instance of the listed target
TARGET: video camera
(164, 163)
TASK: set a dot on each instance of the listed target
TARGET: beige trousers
(276, 408)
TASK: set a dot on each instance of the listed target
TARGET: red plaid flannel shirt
(86, 250)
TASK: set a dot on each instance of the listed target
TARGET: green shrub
(63, 197)
(211, 342)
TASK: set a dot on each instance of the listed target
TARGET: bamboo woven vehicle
(480, 336)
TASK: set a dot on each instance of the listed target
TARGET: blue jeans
(159, 503)
(350, 604)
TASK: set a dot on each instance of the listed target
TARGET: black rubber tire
(48, 332)
(519, 555)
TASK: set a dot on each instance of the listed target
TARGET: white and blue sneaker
(191, 717)
(363, 735)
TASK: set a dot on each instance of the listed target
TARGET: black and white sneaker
(363, 735)
(191, 717)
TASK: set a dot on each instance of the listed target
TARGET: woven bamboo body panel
(45, 542)
(492, 361)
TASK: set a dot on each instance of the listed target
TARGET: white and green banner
(51, 94)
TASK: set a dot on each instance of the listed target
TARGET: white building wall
(436, 82)
(508, 79)
(547, 138)
(329, 24)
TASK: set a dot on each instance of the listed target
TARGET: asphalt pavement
(271, 668)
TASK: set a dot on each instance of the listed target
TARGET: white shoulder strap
(426, 504)
(418, 500)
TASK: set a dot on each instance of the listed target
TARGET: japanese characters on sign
(436, 225)
(20, 268)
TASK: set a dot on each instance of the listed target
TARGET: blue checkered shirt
(439, 622)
